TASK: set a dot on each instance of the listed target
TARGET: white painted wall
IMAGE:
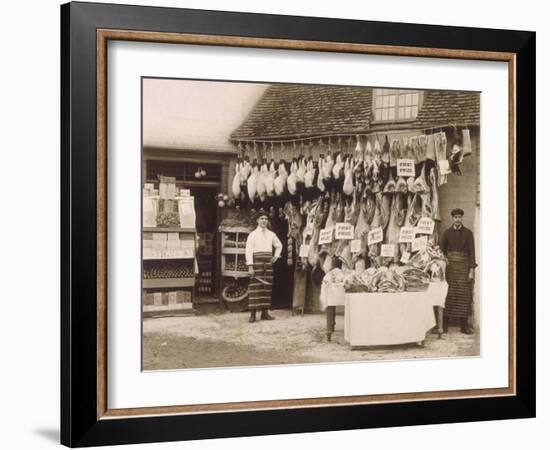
(180, 113)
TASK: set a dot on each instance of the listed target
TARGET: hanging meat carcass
(361, 231)
(270, 179)
(397, 217)
(261, 186)
(338, 166)
(318, 223)
(348, 186)
(385, 209)
(236, 185)
(301, 171)
(435, 195)
(310, 174)
(420, 184)
(342, 247)
(252, 183)
(320, 174)
(374, 249)
(292, 179)
(281, 178)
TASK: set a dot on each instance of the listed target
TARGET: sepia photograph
(300, 223)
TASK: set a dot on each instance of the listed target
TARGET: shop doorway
(203, 182)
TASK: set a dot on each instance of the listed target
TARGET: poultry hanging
(310, 174)
(280, 180)
(394, 226)
(320, 173)
(270, 179)
(236, 185)
(252, 183)
(348, 186)
(338, 166)
(318, 223)
(261, 186)
(420, 184)
(291, 180)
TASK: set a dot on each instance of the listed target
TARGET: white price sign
(375, 236)
(325, 236)
(344, 231)
(304, 250)
(405, 257)
(406, 235)
(420, 243)
(387, 250)
(425, 226)
(355, 246)
(185, 192)
(405, 168)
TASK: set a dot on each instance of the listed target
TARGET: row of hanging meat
(383, 212)
(368, 167)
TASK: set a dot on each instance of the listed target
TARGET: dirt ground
(227, 339)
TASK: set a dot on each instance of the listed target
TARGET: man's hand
(273, 259)
(251, 271)
(471, 275)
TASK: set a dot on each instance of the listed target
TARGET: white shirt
(262, 240)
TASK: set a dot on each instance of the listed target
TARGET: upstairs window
(392, 105)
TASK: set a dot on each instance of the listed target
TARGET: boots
(252, 316)
(465, 326)
(445, 324)
(265, 315)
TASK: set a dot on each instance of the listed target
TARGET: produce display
(235, 264)
(234, 291)
(168, 270)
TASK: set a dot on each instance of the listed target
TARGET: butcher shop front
(358, 185)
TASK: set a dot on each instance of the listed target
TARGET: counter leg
(331, 320)
(439, 320)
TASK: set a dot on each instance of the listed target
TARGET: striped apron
(259, 294)
(459, 297)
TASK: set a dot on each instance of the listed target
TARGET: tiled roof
(294, 111)
(290, 110)
(448, 107)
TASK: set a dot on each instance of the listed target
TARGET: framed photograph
(279, 224)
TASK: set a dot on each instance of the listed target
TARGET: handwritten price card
(425, 226)
(406, 235)
(405, 167)
(344, 231)
(375, 236)
(325, 236)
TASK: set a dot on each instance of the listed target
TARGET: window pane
(401, 113)
(392, 101)
(409, 99)
(415, 99)
(391, 114)
(386, 101)
(384, 114)
(378, 102)
(414, 112)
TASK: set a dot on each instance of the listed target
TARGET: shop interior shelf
(168, 230)
(233, 250)
(234, 274)
(150, 283)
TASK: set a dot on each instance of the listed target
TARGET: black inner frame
(79, 424)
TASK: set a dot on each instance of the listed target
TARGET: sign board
(420, 243)
(406, 235)
(375, 235)
(185, 192)
(344, 231)
(355, 246)
(387, 250)
(325, 236)
(405, 257)
(405, 168)
(425, 226)
(304, 250)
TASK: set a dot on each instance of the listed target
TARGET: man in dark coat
(457, 243)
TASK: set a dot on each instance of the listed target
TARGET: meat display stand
(233, 262)
(168, 270)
